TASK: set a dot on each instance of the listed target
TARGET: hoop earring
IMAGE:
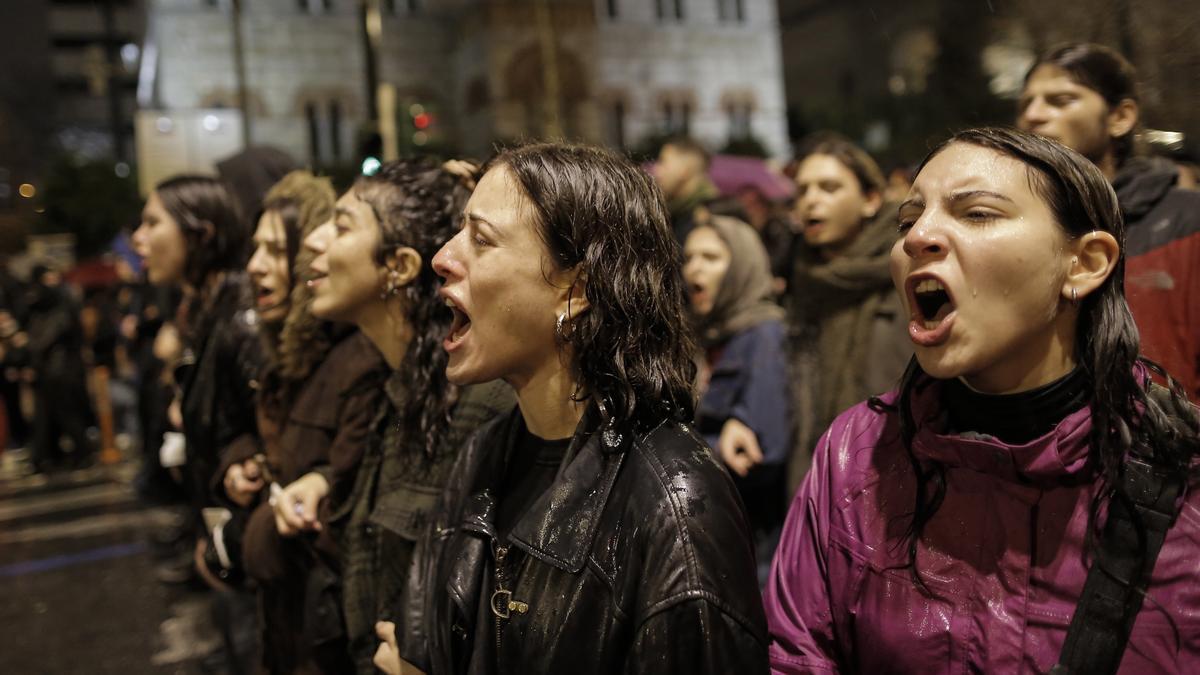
(1074, 296)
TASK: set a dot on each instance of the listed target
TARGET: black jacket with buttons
(636, 560)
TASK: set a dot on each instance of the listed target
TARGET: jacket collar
(561, 525)
(1057, 457)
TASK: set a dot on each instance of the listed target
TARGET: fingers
(286, 508)
(309, 500)
(251, 469)
(386, 631)
(751, 448)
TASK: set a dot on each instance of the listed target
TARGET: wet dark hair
(212, 225)
(854, 158)
(1126, 419)
(599, 213)
(419, 205)
(1102, 70)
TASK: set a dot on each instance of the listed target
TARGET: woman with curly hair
(1002, 511)
(316, 395)
(371, 269)
(588, 530)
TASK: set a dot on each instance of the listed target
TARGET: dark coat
(378, 523)
(637, 560)
(750, 382)
(219, 377)
(325, 430)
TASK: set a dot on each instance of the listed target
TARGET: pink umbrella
(731, 173)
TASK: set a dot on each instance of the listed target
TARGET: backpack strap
(1139, 516)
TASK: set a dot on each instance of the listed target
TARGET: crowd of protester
(554, 413)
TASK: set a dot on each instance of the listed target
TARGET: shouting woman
(589, 530)
(1003, 510)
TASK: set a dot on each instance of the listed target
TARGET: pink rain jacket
(1002, 555)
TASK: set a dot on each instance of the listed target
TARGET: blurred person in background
(317, 398)
(14, 361)
(956, 524)
(1085, 96)
(371, 269)
(62, 406)
(588, 530)
(192, 235)
(847, 323)
(745, 405)
(774, 228)
(682, 175)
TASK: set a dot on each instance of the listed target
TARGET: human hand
(387, 657)
(296, 505)
(243, 481)
(463, 169)
(738, 447)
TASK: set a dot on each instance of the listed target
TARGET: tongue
(943, 312)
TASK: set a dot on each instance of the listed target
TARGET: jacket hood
(1141, 184)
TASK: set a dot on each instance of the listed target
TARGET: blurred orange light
(27, 190)
(422, 121)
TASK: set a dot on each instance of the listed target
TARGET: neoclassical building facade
(469, 73)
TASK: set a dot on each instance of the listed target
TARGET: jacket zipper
(499, 553)
(502, 603)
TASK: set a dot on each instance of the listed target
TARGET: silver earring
(391, 287)
(558, 327)
(1074, 296)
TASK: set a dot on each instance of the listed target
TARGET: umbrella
(731, 173)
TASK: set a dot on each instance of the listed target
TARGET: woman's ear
(403, 265)
(872, 205)
(1093, 258)
(573, 300)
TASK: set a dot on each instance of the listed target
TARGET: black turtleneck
(1015, 418)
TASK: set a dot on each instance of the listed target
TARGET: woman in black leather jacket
(589, 530)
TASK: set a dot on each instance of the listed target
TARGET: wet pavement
(78, 580)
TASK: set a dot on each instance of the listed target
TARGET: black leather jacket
(636, 560)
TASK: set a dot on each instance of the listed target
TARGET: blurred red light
(422, 121)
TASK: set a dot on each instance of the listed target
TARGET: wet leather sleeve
(696, 636)
(797, 601)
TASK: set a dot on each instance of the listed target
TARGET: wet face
(1055, 106)
(346, 276)
(268, 268)
(981, 269)
(159, 241)
(504, 291)
(706, 260)
(831, 204)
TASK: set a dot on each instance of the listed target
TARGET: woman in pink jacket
(949, 527)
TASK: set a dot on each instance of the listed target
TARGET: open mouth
(933, 311)
(932, 302)
(314, 279)
(459, 326)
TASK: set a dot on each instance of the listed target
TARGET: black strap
(1139, 515)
